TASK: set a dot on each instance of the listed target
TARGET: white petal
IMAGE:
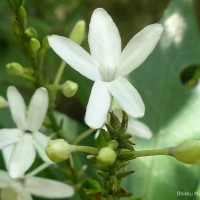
(48, 188)
(104, 41)
(24, 195)
(23, 157)
(76, 56)
(17, 107)
(135, 127)
(98, 105)
(5, 179)
(40, 142)
(7, 153)
(9, 137)
(127, 96)
(138, 49)
(15, 192)
(37, 109)
(9, 193)
(138, 129)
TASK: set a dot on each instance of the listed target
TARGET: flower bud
(3, 102)
(58, 150)
(187, 152)
(34, 45)
(29, 71)
(69, 88)
(30, 32)
(106, 156)
(16, 29)
(45, 43)
(78, 32)
(14, 68)
(22, 16)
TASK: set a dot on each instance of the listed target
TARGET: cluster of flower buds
(112, 156)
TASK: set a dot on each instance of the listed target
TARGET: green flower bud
(30, 32)
(58, 150)
(28, 71)
(3, 102)
(14, 68)
(114, 183)
(45, 43)
(69, 88)
(16, 29)
(106, 156)
(113, 144)
(22, 16)
(187, 152)
(34, 45)
(78, 32)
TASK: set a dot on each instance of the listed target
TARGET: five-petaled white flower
(107, 65)
(21, 188)
(24, 140)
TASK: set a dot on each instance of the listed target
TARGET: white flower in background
(21, 188)
(139, 129)
(107, 65)
(24, 140)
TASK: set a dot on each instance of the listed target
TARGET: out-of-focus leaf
(71, 127)
(172, 110)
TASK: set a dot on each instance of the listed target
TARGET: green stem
(39, 169)
(55, 125)
(59, 73)
(82, 136)
(86, 149)
(31, 79)
(154, 152)
(57, 81)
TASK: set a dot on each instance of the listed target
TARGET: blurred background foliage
(166, 81)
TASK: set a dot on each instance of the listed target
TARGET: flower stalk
(154, 152)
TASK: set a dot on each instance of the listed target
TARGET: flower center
(28, 131)
(108, 73)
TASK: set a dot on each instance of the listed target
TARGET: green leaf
(92, 184)
(172, 110)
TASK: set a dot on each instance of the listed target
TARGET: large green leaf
(172, 110)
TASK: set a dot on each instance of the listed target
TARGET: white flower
(107, 65)
(24, 140)
(22, 188)
(139, 129)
